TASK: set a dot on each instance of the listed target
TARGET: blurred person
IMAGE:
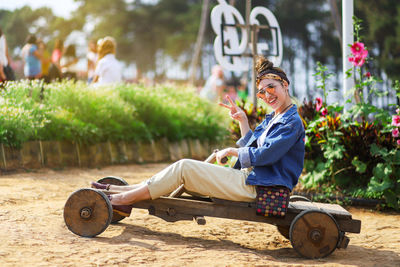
(231, 90)
(91, 57)
(55, 66)
(31, 57)
(214, 87)
(108, 69)
(6, 72)
(57, 53)
(45, 60)
(69, 62)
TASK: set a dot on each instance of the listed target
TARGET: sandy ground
(33, 232)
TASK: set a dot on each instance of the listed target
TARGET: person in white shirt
(6, 72)
(214, 87)
(108, 69)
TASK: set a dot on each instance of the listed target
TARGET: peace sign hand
(235, 112)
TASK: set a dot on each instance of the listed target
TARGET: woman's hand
(230, 151)
(235, 112)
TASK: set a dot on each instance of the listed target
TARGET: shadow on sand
(284, 255)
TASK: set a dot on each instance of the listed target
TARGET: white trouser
(204, 179)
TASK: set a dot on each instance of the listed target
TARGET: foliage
(76, 112)
(381, 32)
(352, 152)
(144, 30)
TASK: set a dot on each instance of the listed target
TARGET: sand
(33, 232)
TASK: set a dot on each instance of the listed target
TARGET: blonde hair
(106, 46)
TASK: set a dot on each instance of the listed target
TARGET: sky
(61, 8)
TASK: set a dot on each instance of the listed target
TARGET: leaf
(376, 151)
(360, 166)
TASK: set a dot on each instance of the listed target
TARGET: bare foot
(119, 199)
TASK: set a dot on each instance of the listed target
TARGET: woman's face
(274, 94)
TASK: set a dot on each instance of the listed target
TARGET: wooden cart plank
(333, 209)
(210, 209)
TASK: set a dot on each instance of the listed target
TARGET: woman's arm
(276, 145)
(69, 63)
(95, 79)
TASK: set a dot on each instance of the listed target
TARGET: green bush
(84, 114)
(348, 152)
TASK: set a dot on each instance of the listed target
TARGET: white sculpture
(237, 44)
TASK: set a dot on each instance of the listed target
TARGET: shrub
(348, 152)
(84, 114)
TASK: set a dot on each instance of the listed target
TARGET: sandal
(97, 185)
(123, 210)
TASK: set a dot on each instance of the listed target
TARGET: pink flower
(357, 48)
(368, 74)
(357, 61)
(398, 110)
(398, 142)
(395, 133)
(359, 54)
(396, 120)
(318, 105)
(324, 112)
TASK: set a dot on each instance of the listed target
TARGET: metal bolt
(86, 213)
(315, 235)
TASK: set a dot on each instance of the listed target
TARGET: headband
(272, 74)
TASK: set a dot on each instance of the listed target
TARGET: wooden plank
(202, 208)
(333, 209)
(351, 226)
(175, 209)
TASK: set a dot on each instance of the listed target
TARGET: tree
(382, 33)
(199, 42)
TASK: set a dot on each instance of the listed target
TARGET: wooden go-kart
(314, 229)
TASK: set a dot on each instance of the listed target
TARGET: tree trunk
(336, 18)
(199, 42)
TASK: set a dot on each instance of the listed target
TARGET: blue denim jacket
(279, 161)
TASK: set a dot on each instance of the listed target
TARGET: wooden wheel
(114, 181)
(314, 234)
(284, 229)
(87, 212)
(295, 198)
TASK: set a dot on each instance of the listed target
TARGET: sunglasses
(270, 89)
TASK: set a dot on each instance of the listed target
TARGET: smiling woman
(270, 159)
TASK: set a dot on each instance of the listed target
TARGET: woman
(45, 60)
(31, 57)
(214, 86)
(108, 69)
(272, 155)
(69, 62)
(55, 67)
(6, 72)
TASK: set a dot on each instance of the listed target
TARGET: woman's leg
(117, 188)
(197, 176)
(132, 196)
